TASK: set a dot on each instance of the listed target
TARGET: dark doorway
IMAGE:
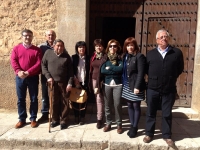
(118, 28)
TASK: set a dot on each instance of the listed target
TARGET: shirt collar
(82, 57)
(26, 46)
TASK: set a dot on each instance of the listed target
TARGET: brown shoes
(170, 143)
(20, 124)
(119, 130)
(147, 139)
(34, 124)
(107, 128)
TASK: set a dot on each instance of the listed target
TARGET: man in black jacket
(164, 65)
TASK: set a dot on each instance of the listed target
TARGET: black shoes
(99, 124)
(43, 119)
(54, 124)
(63, 126)
(132, 132)
(82, 121)
(76, 120)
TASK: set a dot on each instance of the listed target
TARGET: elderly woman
(133, 82)
(81, 66)
(95, 64)
(111, 72)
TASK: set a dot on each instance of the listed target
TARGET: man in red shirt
(26, 62)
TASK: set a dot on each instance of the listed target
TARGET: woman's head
(99, 45)
(80, 48)
(113, 47)
(130, 45)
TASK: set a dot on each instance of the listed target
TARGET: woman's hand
(95, 90)
(136, 91)
(77, 83)
(107, 68)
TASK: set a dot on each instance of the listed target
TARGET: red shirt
(26, 59)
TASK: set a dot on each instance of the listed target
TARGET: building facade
(86, 20)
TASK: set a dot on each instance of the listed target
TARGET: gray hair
(161, 30)
(51, 31)
(58, 40)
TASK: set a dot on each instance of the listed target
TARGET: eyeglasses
(162, 37)
(27, 35)
(114, 46)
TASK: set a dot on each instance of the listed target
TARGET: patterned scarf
(98, 55)
(113, 58)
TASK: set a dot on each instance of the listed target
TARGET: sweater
(57, 67)
(26, 59)
(113, 73)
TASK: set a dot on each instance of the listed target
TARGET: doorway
(118, 28)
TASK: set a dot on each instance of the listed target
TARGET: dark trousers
(60, 103)
(77, 111)
(45, 96)
(167, 102)
(21, 86)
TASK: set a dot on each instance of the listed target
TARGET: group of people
(113, 73)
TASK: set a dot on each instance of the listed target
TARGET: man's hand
(68, 88)
(50, 81)
(22, 74)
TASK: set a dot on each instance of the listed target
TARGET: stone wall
(15, 15)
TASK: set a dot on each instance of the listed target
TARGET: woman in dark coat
(133, 82)
(96, 61)
(81, 66)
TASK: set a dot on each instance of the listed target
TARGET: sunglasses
(114, 46)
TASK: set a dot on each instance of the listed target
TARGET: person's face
(130, 48)
(99, 48)
(59, 47)
(112, 48)
(27, 38)
(81, 50)
(50, 36)
(162, 39)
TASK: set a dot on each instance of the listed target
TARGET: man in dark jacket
(57, 68)
(164, 65)
(50, 36)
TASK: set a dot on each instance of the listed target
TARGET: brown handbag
(78, 95)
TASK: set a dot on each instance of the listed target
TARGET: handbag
(78, 95)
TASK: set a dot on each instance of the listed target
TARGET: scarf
(98, 55)
(113, 58)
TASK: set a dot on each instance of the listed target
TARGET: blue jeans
(45, 96)
(21, 86)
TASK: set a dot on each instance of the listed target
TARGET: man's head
(58, 46)
(50, 36)
(27, 36)
(162, 37)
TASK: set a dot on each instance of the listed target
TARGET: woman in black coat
(133, 82)
(81, 66)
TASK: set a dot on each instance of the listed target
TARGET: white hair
(161, 30)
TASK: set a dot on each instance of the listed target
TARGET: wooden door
(179, 18)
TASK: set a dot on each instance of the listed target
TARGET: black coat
(135, 71)
(75, 61)
(163, 73)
